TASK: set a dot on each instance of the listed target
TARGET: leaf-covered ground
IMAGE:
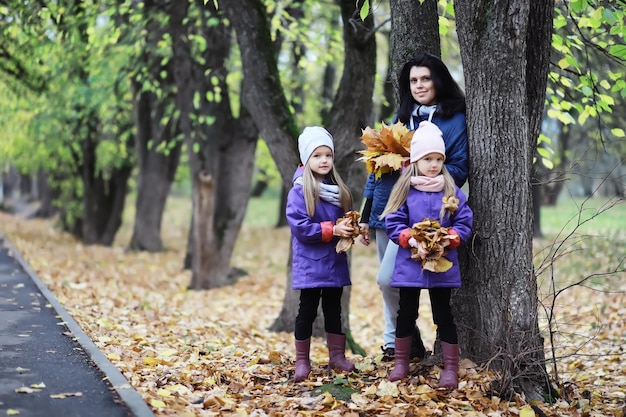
(209, 353)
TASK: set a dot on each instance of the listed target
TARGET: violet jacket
(316, 263)
(419, 205)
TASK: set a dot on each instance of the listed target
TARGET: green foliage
(586, 33)
(69, 89)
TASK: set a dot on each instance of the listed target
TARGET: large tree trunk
(103, 196)
(352, 105)
(414, 29)
(158, 150)
(262, 91)
(504, 48)
(263, 95)
(221, 154)
(158, 155)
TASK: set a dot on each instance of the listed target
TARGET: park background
(203, 352)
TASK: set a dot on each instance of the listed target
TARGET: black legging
(442, 313)
(331, 306)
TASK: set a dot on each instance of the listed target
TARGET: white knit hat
(427, 139)
(311, 138)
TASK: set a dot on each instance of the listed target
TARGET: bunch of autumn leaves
(386, 151)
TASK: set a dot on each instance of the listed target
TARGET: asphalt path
(48, 366)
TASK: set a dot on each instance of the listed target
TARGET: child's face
(431, 165)
(321, 160)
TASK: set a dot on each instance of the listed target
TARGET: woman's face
(422, 86)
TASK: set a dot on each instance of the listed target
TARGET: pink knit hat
(427, 139)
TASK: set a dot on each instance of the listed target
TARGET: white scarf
(328, 192)
(423, 112)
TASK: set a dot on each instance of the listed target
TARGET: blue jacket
(419, 205)
(457, 162)
(316, 263)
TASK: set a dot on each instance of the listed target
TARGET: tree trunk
(262, 92)
(222, 151)
(103, 194)
(352, 105)
(158, 155)
(504, 48)
(158, 150)
(414, 29)
(264, 97)
(47, 195)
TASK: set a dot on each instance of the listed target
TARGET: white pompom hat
(311, 138)
(427, 139)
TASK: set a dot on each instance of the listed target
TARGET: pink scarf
(423, 183)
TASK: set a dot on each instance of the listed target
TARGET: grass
(583, 240)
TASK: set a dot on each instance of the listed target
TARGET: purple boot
(403, 352)
(449, 377)
(337, 352)
(303, 365)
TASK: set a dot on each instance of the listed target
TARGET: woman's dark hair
(450, 97)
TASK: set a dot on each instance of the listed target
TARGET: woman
(427, 92)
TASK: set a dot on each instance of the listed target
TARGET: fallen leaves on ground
(205, 353)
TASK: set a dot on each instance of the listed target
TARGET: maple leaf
(345, 243)
(434, 239)
(387, 148)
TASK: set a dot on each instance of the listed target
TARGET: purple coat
(419, 204)
(316, 264)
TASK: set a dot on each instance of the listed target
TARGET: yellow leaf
(114, 357)
(157, 403)
(167, 352)
(38, 386)
(163, 392)
(12, 412)
(387, 388)
(527, 411)
(150, 361)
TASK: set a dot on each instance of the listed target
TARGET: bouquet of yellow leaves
(346, 243)
(434, 239)
(387, 149)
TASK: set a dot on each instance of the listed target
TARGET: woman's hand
(364, 236)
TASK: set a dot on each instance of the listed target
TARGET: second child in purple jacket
(426, 190)
(317, 199)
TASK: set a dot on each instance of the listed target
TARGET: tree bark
(222, 150)
(263, 95)
(262, 92)
(158, 150)
(504, 49)
(414, 29)
(103, 197)
(352, 106)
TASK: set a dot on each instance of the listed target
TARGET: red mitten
(455, 239)
(403, 239)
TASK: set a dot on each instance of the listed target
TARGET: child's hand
(364, 237)
(343, 229)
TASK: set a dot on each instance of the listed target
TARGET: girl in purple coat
(420, 194)
(317, 199)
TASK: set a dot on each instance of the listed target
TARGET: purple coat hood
(316, 264)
